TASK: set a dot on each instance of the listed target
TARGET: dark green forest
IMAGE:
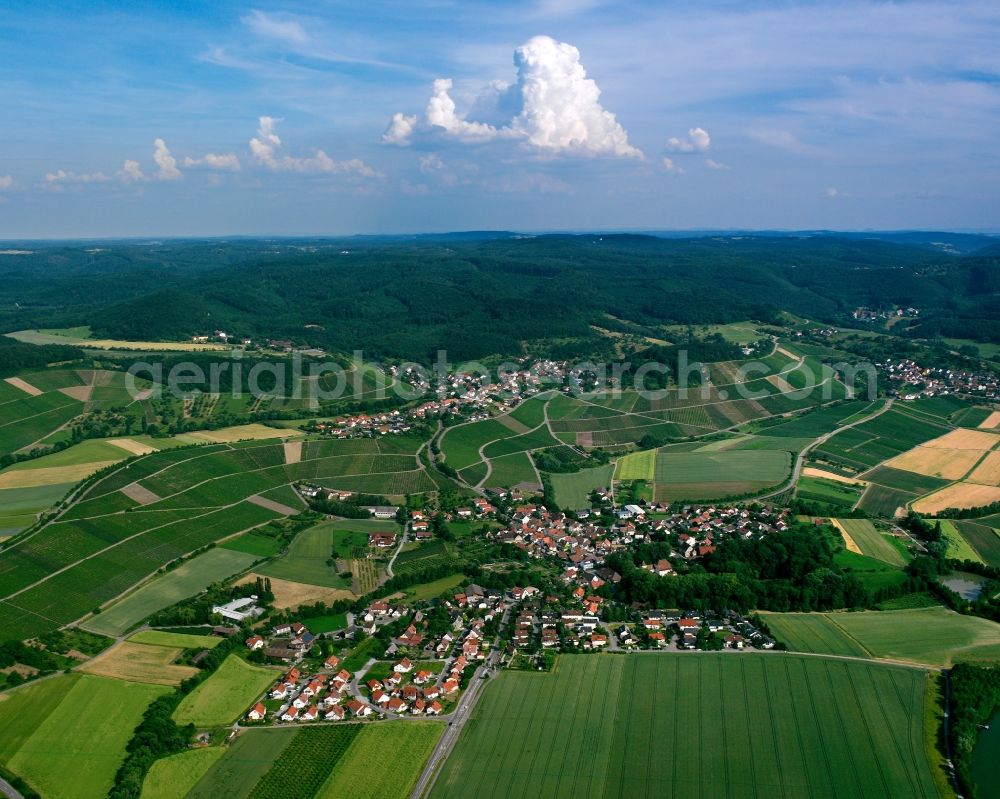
(490, 294)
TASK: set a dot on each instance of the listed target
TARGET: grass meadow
(225, 695)
(572, 491)
(66, 736)
(933, 636)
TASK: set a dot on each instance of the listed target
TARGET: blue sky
(158, 119)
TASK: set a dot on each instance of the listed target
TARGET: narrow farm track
(801, 459)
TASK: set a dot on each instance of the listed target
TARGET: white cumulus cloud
(130, 172)
(6, 181)
(441, 113)
(697, 141)
(670, 167)
(265, 147)
(711, 163)
(165, 162)
(224, 161)
(552, 106)
(400, 129)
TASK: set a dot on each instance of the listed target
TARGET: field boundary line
(840, 627)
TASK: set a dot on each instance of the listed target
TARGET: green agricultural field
(225, 695)
(243, 764)
(255, 543)
(172, 777)
(873, 543)
(710, 725)
(186, 580)
(302, 768)
(326, 624)
(881, 501)
(815, 423)
(572, 491)
(71, 742)
(511, 470)
(308, 556)
(19, 507)
(934, 636)
(910, 482)
(460, 445)
(958, 547)
(637, 466)
(434, 589)
(985, 540)
(410, 742)
(832, 492)
(171, 639)
(132, 546)
(873, 574)
(712, 475)
(884, 437)
(813, 632)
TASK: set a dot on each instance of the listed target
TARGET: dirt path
(801, 459)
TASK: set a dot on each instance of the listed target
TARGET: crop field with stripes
(711, 725)
(191, 497)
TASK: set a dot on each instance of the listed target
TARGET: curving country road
(801, 459)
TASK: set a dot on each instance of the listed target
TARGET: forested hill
(480, 294)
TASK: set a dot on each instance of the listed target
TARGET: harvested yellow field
(812, 471)
(949, 464)
(26, 387)
(991, 422)
(81, 393)
(288, 594)
(848, 541)
(958, 495)
(780, 383)
(140, 663)
(987, 472)
(131, 446)
(227, 435)
(293, 451)
(978, 440)
(53, 475)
